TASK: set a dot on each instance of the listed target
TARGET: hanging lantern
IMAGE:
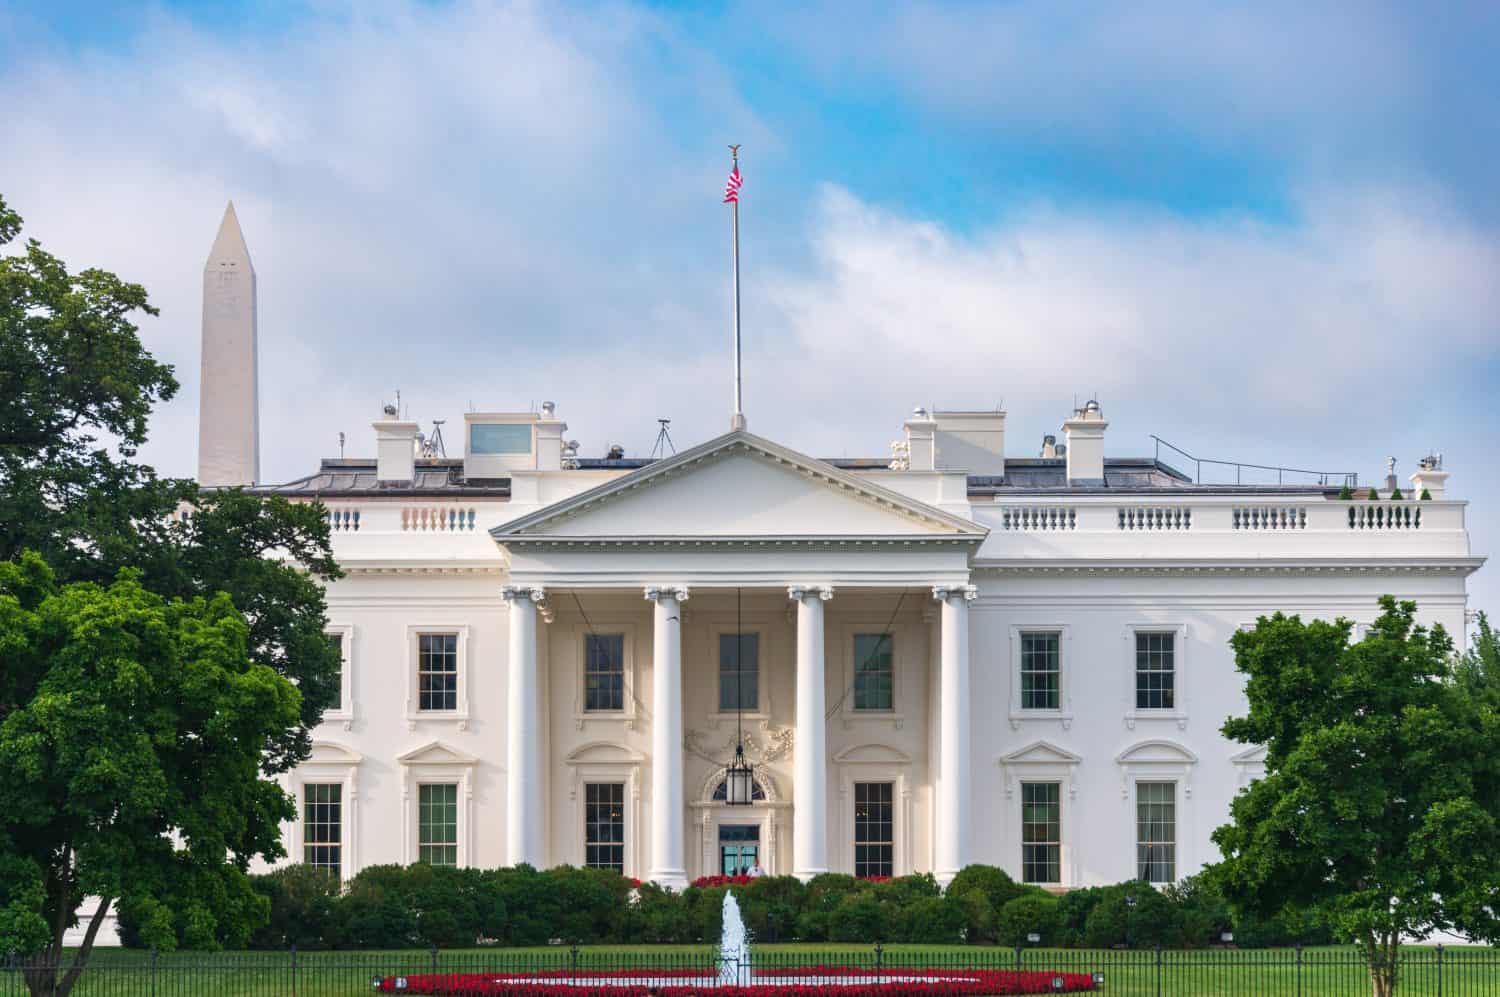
(739, 780)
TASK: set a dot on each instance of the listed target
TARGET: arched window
(721, 792)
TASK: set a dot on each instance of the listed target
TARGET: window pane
(874, 829)
(1155, 670)
(437, 823)
(1040, 672)
(604, 672)
(500, 438)
(337, 640)
(437, 672)
(873, 672)
(1156, 831)
(1041, 832)
(323, 826)
(739, 672)
(604, 825)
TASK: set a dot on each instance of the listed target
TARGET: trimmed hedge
(399, 907)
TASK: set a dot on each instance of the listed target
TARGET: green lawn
(1216, 973)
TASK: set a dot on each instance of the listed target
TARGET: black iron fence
(1434, 971)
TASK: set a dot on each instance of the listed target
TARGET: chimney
(971, 441)
(1429, 476)
(1085, 435)
(1049, 447)
(549, 441)
(395, 448)
(921, 432)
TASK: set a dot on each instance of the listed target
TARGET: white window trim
(418, 768)
(874, 763)
(1048, 763)
(345, 712)
(1064, 713)
(330, 763)
(762, 711)
(1161, 760)
(602, 627)
(900, 669)
(606, 762)
(1178, 713)
(460, 715)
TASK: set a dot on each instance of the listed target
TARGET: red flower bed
(706, 882)
(843, 982)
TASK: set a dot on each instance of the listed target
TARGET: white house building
(955, 654)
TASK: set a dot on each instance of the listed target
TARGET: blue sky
(1268, 232)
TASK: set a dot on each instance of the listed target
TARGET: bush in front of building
(1029, 914)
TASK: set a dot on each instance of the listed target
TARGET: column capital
(535, 593)
(656, 593)
(799, 592)
(942, 593)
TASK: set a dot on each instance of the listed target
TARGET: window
(437, 823)
(323, 826)
(604, 672)
(739, 848)
(1040, 671)
(757, 792)
(340, 647)
(1155, 670)
(500, 438)
(872, 672)
(874, 829)
(1156, 832)
(739, 672)
(604, 825)
(437, 672)
(1041, 832)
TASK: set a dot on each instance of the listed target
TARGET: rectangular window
(1156, 832)
(1155, 670)
(873, 672)
(437, 671)
(1041, 832)
(323, 826)
(739, 672)
(500, 438)
(337, 640)
(437, 823)
(874, 829)
(604, 825)
(604, 672)
(1040, 672)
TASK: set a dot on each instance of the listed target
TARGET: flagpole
(737, 420)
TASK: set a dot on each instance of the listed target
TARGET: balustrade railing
(342, 519)
(1385, 516)
(1155, 517)
(440, 519)
(1038, 517)
(1270, 517)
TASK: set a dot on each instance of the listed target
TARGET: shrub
(1426, 496)
(824, 894)
(1346, 493)
(1033, 913)
(860, 917)
(531, 903)
(994, 883)
(1396, 495)
(206, 908)
(979, 916)
(935, 920)
(301, 901)
(1152, 921)
(372, 914)
(771, 906)
(1374, 496)
(659, 917)
(1203, 914)
(905, 890)
(1073, 910)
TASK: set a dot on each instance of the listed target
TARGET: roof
(355, 478)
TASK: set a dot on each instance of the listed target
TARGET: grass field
(1336, 972)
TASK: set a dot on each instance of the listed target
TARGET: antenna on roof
(663, 439)
(341, 444)
(435, 447)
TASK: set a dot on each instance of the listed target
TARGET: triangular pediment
(739, 486)
(435, 753)
(1040, 753)
(1253, 755)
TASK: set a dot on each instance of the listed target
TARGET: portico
(775, 549)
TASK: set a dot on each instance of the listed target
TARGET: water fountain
(734, 945)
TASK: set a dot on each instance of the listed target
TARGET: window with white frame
(341, 636)
(1155, 670)
(874, 672)
(1156, 832)
(874, 829)
(340, 642)
(323, 826)
(1041, 832)
(437, 823)
(1041, 670)
(739, 672)
(437, 672)
(604, 672)
(604, 826)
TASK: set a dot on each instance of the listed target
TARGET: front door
(739, 848)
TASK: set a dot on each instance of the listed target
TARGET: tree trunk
(42, 977)
(1382, 955)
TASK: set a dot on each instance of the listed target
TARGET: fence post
(153, 971)
(294, 971)
(879, 959)
(1440, 970)
(1158, 969)
(1019, 950)
(434, 953)
(1299, 969)
(573, 961)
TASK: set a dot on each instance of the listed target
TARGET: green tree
(1477, 670)
(1378, 810)
(76, 390)
(131, 736)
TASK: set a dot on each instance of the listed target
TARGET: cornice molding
(399, 568)
(810, 542)
(1234, 566)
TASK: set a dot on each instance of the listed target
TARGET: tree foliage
(1380, 807)
(130, 759)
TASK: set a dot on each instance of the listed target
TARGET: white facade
(984, 584)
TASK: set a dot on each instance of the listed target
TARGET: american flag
(732, 188)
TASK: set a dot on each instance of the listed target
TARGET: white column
(667, 810)
(525, 820)
(810, 750)
(953, 831)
